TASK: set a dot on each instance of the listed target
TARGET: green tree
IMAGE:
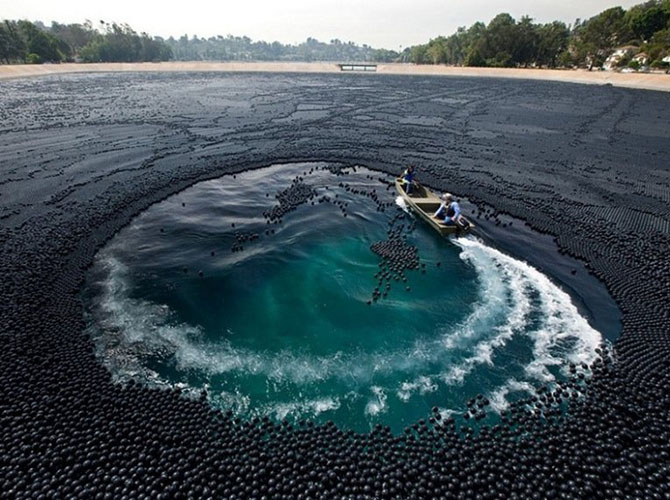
(525, 44)
(566, 59)
(384, 55)
(120, 43)
(595, 38)
(12, 47)
(506, 42)
(499, 41)
(418, 54)
(17, 47)
(552, 41)
(474, 57)
(75, 36)
(435, 52)
(659, 46)
(661, 38)
(5, 44)
(606, 30)
(455, 47)
(43, 45)
(644, 20)
(634, 64)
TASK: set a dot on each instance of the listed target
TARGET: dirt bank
(648, 81)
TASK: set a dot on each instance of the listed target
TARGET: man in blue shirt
(449, 210)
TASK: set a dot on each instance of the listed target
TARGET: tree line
(34, 43)
(236, 48)
(506, 42)
(503, 42)
(28, 42)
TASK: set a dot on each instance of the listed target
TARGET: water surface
(204, 292)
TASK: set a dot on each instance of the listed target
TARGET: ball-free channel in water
(207, 290)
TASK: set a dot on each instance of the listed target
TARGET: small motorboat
(425, 203)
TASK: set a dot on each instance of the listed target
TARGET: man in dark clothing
(408, 179)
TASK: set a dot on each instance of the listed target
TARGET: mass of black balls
(68, 431)
(297, 194)
(397, 256)
(146, 443)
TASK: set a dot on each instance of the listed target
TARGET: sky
(391, 24)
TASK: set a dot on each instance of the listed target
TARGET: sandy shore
(648, 81)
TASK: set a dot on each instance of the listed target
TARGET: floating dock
(358, 67)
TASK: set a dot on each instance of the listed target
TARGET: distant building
(619, 53)
(642, 58)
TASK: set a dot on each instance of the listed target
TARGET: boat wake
(517, 298)
(516, 305)
(400, 201)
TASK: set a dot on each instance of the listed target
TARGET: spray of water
(514, 300)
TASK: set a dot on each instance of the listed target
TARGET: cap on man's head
(447, 196)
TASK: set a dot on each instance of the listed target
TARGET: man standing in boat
(408, 179)
(449, 210)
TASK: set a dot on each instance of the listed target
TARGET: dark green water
(283, 327)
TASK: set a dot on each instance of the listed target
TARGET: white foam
(563, 334)
(510, 292)
(235, 401)
(503, 290)
(491, 301)
(134, 329)
(400, 201)
(377, 403)
(312, 407)
(445, 413)
(421, 384)
(498, 398)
